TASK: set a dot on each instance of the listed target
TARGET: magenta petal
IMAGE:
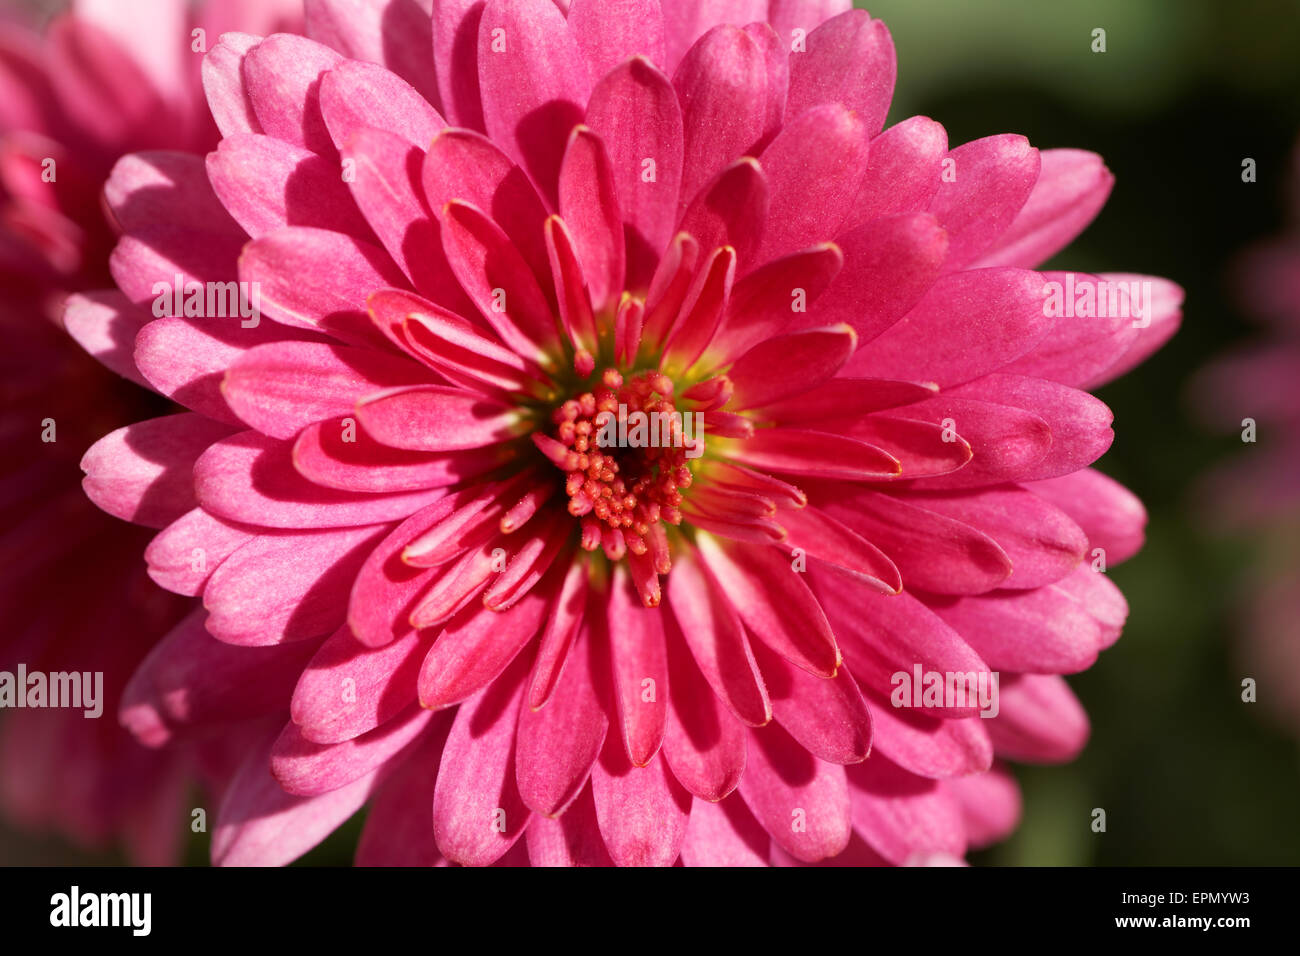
(261, 825)
(455, 60)
(724, 834)
(634, 109)
(992, 180)
(354, 95)
(990, 804)
(287, 587)
(436, 418)
(190, 680)
(1072, 187)
(638, 666)
(642, 811)
(849, 60)
(282, 387)
(827, 716)
(884, 634)
(928, 745)
(903, 171)
(317, 279)
(1112, 516)
(397, 830)
(1003, 318)
(534, 83)
(775, 604)
(307, 769)
(477, 811)
(1041, 541)
(105, 324)
(282, 76)
(703, 743)
(801, 801)
(608, 32)
(144, 472)
(1041, 721)
(1043, 631)
(589, 205)
(266, 184)
(572, 840)
(901, 815)
(183, 555)
(559, 743)
(721, 85)
(250, 478)
(815, 168)
(475, 648)
(348, 689)
(223, 84)
(398, 35)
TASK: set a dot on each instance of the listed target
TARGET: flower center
(623, 447)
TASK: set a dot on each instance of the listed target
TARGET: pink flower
(1252, 390)
(416, 527)
(97, 84)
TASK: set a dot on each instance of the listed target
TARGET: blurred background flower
(76, 92)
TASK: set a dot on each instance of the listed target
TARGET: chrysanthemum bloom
(104, 80)
(1253, 391)
(427, 521)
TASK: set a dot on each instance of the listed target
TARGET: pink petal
(724, 834)
(1040, 720)
(144, 472)
(608, 32)
(1003, 318)
(903, 171)
(637, 654)
(282, 76)
(476, 647)
(287, 587)
(307, 769)
(708, 623)
(348, 689)
(828, 717)
(398, 35)
(1072, 187)
(436, 418)
(282, 387)
(634, 110)
(642, 811)
(1112, 516)
(901, 815)
(801, 801)
(534, 84)
(559, 743)
(849, 60)
(721, 84)
(105, 324)
(183, 555)
(356, 95)
(788, 364)
(992, 179)
(477, 812)
(589, 205)
(249, 477)
(261, 825)
(931, 550)
(775, 604)
(266, 184)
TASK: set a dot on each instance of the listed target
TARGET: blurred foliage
(1186, 772)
